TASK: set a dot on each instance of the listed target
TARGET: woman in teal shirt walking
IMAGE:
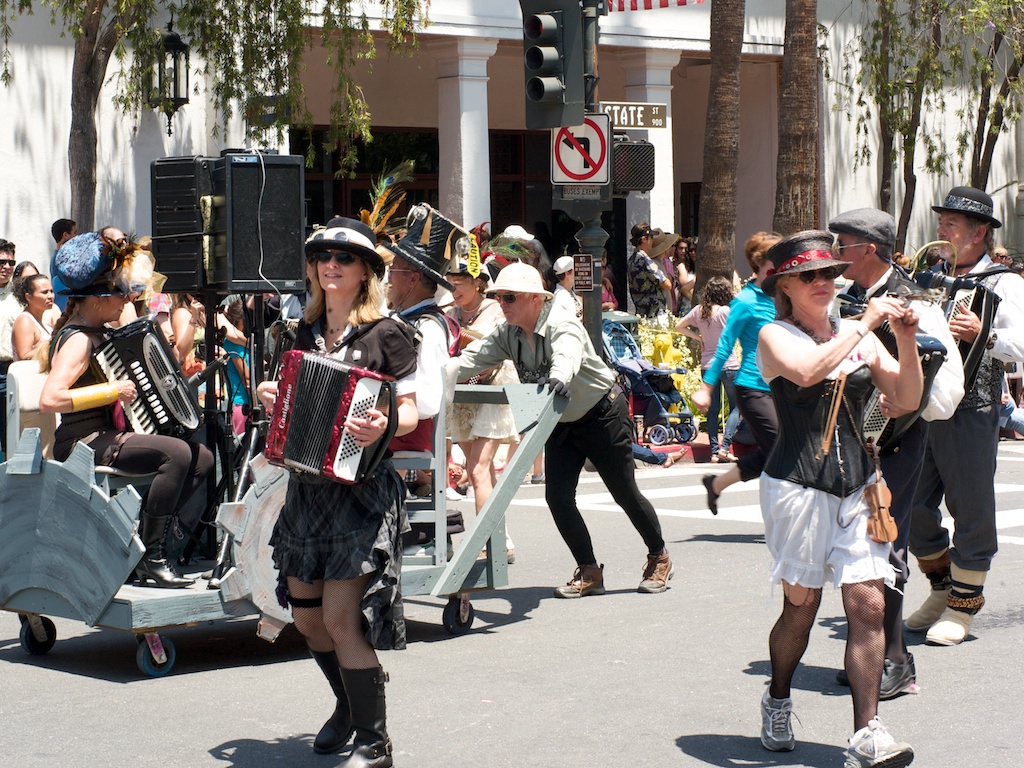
(748, 313)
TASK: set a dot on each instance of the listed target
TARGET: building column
(649, 79)
(462, 128)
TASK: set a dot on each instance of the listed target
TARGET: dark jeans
(603, 436)
(758, 410)
(729, 382)
(3, 409)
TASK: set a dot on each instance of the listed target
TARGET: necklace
(475, 313)
(817, 339)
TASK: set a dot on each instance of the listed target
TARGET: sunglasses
(7, 262)
(506, 298)
(342, 257)
(828, 273)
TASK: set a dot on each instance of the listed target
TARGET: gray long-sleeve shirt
(561, 350)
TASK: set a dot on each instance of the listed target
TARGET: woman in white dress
(480, 429)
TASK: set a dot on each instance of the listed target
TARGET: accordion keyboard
(163, 404)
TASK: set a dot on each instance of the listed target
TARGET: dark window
(328, 194)
(689, 208)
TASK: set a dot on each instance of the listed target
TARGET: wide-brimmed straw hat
(801, 252)
(662, 242)
(519, 278)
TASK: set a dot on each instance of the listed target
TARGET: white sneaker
(776, 724)
(452, 495)
(873, 746)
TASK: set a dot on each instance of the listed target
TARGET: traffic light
(553, 63)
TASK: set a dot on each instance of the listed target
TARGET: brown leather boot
(657, 572)
(587, 580)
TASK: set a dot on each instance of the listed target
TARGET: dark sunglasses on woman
(342, 257)
(828, 273)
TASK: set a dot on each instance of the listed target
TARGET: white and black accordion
(316, 393)
(139, 353)
(983, 302)
(886, 431)
(967, 293)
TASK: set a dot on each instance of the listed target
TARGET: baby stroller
(652, 391)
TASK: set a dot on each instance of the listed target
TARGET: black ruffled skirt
(331, 531)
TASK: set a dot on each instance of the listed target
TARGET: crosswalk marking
(730, 510)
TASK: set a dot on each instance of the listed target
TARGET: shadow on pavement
(294, 751)
(106, 654)
(724, 538)
(731, 751)
(815, 679)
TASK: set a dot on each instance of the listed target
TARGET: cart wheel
(32, 645)
(686, 433)
(148, 665)
(457, 616)
(658, 434)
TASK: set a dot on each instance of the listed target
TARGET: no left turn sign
(579, 154)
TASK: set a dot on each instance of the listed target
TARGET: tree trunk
(926, 65)
(717, 231)
(796, 186)
(93, 48)
(886, 106)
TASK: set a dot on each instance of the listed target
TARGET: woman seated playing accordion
(337, 546)
(100, 271)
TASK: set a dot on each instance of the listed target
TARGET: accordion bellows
(315, 395)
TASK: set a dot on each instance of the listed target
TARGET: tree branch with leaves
(251, 52)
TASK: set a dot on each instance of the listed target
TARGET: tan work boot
(937, 569)
(965, 599)
(657, 572)
(587, 580)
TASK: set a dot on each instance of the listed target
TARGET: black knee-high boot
(372, 747)
(154, 565)
(338, 729)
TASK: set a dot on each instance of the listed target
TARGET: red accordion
(316, 393)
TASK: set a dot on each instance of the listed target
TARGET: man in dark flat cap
(960, 459)
(866, 238)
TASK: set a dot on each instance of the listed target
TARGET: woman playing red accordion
(337, 546)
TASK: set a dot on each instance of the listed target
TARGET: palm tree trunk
(717, 230)
(797, 171)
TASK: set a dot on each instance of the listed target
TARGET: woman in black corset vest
(821, 371)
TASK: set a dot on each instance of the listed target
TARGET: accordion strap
(346, 340)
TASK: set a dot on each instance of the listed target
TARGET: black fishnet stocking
(865, 646)
(338, 624)
(788, 639)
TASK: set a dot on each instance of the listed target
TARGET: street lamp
(170, 81)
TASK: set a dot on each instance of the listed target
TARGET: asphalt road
(622, 679)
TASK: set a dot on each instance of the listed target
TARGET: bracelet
(861, 329)
(95, 396)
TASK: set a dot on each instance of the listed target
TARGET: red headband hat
(802, 252)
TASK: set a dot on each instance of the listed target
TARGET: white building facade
(457, 106)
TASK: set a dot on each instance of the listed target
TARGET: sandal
(709, 481)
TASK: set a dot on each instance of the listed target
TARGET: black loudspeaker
(258, 223)
(633, 167)
(177, 185)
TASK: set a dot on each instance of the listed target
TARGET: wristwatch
(992, 337)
